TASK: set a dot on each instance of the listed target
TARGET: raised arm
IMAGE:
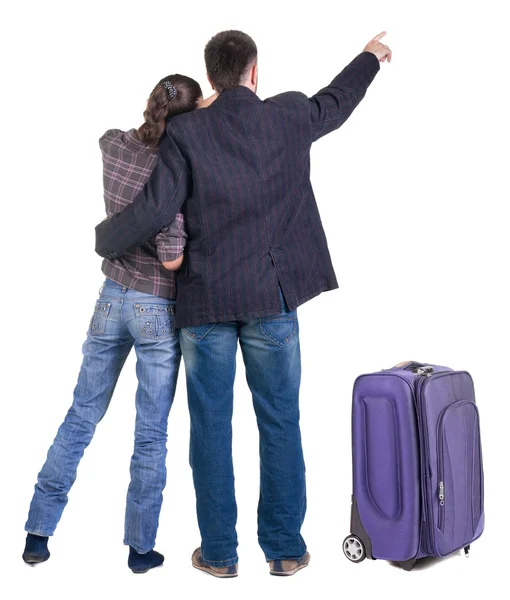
(334, 104)
(154, 207)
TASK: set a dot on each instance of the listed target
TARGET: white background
(412, 192)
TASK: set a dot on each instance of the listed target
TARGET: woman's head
(174, 95)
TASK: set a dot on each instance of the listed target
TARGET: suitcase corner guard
(357, 528)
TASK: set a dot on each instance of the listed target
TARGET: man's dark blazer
(240, 172)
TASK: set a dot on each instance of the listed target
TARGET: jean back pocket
(199, 332)
(155, 321)
(279, 329)
(99, 318)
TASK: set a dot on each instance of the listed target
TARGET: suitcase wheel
(354, 549)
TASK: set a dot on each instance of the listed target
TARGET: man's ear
(209, 80)
(254, 75)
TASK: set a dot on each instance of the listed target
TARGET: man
(240, 172)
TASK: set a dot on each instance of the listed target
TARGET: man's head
(231, 61)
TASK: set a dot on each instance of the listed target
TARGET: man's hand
(381, 51)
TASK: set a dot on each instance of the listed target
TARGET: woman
(135, 308)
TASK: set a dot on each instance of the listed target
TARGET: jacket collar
(236, 94)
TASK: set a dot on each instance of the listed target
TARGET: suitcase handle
(408, 365)
(415, 367)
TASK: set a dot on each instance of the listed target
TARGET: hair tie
(170, 87)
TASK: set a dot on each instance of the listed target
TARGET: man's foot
(224, 572)
(141, 563)
(36, 549)
(288, 567)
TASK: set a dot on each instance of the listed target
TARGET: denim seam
(297, 559)
(229, 562)
(271, 338)
(195, 338)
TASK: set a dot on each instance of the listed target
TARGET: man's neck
(249, 85)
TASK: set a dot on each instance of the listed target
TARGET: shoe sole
(292, 572)
(213, 573)
(139, 572)
(34, 559)
(142, 571)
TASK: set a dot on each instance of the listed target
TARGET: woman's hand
(205, 102)
(173, 265)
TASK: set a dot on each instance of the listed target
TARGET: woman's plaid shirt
(127, 165)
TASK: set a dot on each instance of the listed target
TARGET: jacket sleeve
(334, 104)
(154, 207)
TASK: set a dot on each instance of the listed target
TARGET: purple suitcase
(417, 465)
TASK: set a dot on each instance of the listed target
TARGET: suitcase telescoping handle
(415, 367)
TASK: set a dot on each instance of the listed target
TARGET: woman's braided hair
(174, 95)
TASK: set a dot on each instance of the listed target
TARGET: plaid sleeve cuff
(171, 240)
(168, 253)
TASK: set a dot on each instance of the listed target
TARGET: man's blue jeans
(122, 319)
(270, 348)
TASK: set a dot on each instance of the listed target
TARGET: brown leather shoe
(285, 568)
(223, 572)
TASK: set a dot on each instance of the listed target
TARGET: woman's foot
(36, 549)
(141, 563)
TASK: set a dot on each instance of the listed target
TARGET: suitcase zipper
(441, 505)
(427, 492)
(425, 461)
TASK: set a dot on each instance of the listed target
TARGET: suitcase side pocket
(459, 474)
